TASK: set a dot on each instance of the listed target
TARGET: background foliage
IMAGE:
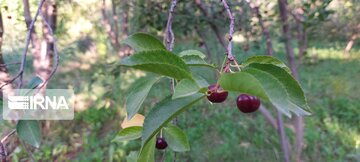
(216, 132)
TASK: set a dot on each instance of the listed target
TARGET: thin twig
(28, 152)
(283, 139)
(7, 136)
(8, 64)
(231, 30)
(3, 152)
(169, 34)
(23, 60)
(285, 145)
(230, 56)
(163, 156)
(56, 57)
(169, 41)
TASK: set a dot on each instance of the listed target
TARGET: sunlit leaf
(164, 112)
(142, 42)
(136, 120)
(192, 53)
(176, 138)
(129, 133)
(158, 61)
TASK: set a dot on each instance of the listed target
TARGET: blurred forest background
(324, 37)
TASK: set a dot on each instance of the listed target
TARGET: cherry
(9, 17)
(247, 103)
(161, 144)
(216, 94)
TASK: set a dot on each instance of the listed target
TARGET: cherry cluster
(215, 94)
(245, 103)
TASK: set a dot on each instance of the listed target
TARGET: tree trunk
(4, 75)
(110, 30)
(298, 120)
(285, 144)
(43, 64)
(301, 32)
(125, 20)
(349, 45)
(125, 50)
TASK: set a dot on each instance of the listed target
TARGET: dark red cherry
(216, 94)
(161, 144)
(247, 103)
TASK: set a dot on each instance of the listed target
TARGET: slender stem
(169, 41)
(3, 152)
(283, 139)
(7, 136)
(27, 42)
(163, 156)
(28, 152)
(230, 56)
(169, 34)
(22, 67)
(8, 64)
(56, 58)
(231, 30)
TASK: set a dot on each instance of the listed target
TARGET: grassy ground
(216, 132)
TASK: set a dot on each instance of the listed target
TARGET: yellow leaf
(137, 120)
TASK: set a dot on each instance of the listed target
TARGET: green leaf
(203, 84)
(269, 86)
(192, 53)
(137, 96)
(266, 60)
(196, 61)
(34, 82)
(185, 87)
(242, 82)
(158, 61)
(147, 152)
(176, 139)
(293, 88)
(142, 42)
(132, 157)
(128, 134)
(29, 131)
(163, 112)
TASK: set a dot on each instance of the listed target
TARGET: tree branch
(3, 153)
(169, 34)
(20, 72)
(108, 28)
(56, 55)
(231, 31)
(169, 40)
